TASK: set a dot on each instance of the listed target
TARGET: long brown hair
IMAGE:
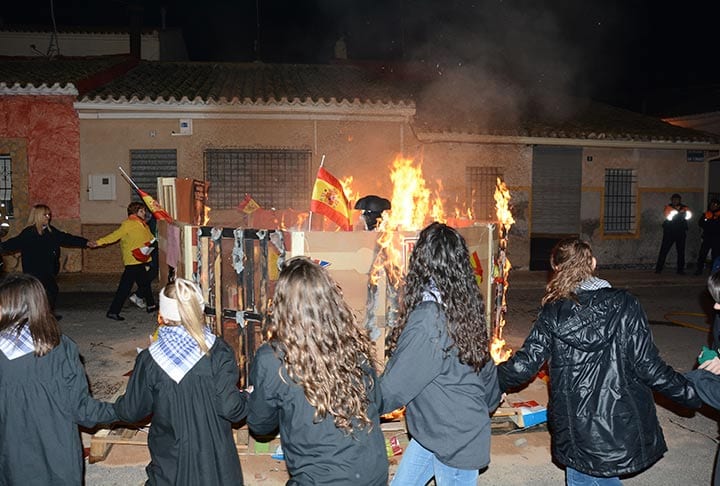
(441, 258)
(572, 262)
(37, 217)
(23, 301)
(325, 351)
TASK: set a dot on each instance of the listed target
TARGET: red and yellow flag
(328, 199)
(248, 205)
(154, 206)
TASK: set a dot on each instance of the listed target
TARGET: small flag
(248, 205)
(328, 199)
(157, 211)
(142, 253)
(477, 267)
(322, 263)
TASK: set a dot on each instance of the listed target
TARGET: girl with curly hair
(440, 365)
(603, 367)
(315, 380)
(187, 379)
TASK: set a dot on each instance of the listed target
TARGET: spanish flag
(157, 211)
(248, 205)
(328, 199)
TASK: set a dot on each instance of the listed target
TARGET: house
(154, 44)
(697, 108)
(574, 167)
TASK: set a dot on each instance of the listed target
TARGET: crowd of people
(317, 380)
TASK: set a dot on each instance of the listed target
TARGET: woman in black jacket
(39, 245)
(603, 367)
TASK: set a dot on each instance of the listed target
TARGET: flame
(412, 202)
(206, 215)
(501, 269)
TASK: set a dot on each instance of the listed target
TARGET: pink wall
(51, 128)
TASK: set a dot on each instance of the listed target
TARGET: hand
(92, 244)
(712, 365)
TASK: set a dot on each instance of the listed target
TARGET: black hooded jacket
(603, 364)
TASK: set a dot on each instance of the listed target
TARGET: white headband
(169, 307)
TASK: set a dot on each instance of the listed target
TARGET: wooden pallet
(102, 442)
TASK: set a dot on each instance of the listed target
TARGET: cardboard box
(528, 413)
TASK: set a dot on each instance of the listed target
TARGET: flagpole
(322, 161)
(127, 178)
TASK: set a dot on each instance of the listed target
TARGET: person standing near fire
(187, 379)
(603, 367)
(315, 381)
(440, 366)
(675, 228)
(136, 241)
(710, 224)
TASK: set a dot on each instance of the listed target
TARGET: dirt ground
(519, 457)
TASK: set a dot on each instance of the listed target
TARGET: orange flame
(412, 203)
(498, 351)
(206, 215)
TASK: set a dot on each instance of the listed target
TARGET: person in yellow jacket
(136, 241)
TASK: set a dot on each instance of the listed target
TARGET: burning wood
(500, 272)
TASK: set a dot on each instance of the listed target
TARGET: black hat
(676, 195)
(375, 204)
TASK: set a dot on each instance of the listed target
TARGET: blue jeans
(419, 465)
(576, 478)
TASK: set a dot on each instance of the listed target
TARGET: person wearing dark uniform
(44, 392)
(187, 379)
(710, 224)
(314, 380)
(675, 229)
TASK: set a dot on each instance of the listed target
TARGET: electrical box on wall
(101, 187)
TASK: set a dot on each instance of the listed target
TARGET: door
(556, 192)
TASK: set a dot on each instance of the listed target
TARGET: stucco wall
(659, 174)
(42, 136)
(365, 149)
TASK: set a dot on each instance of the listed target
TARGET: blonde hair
(572, 264)
(325, 351)
(37, 217)
(192, 316)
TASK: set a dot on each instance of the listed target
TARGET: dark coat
(40, 253)
(42, 401)
(603, 367)
(191, 438)
(448, 403)
(315, 453)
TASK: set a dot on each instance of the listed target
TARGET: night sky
(616, 51)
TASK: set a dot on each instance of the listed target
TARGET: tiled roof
(38, 71)
(469, 110)
(556, 117)
(234, 83)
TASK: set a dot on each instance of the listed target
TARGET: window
(147, 165)
(480, 191)
(620, 197)
(274, 178)
(6, 186)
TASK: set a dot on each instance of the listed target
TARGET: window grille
(620, 198)
(274, 178)
(480, 191)
(6, 185)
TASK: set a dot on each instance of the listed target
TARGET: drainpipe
(136, 12)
